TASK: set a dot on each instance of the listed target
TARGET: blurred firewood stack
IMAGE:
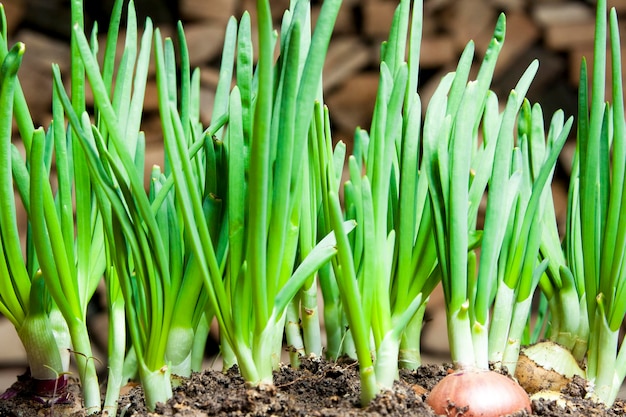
(557, 32)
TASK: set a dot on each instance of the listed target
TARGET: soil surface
(318, 388)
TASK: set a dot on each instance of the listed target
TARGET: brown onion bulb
(477, 392)
(546, 366)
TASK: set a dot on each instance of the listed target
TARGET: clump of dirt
(19, 401)
(317, 388)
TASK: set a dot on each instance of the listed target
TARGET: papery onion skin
(535, 378)
(478, 392)
(546, 366)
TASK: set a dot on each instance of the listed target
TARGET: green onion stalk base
(500, 323)
(386, 365)
(369, 387)
(86, 366)
(200, 337)
(507, 327)
(605, 370)
(229, 359)
(511, 353)
(293, 334)
(576, 339)
(311, 329)
(117, 349)
(46, 339)
(460, 336)
(266, 353)
(410, 356)
(257, 362)
(180, 342)
(45, 362)
(61, 336)
(480, 343)
(332, 313)
(157, 385)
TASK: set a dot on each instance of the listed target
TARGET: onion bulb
(546, 366)
(477, 392)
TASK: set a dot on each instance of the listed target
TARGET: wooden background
(557, 32)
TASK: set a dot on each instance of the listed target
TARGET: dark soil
(319, 388)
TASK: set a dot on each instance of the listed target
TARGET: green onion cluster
(587, 273)
(247, 218)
